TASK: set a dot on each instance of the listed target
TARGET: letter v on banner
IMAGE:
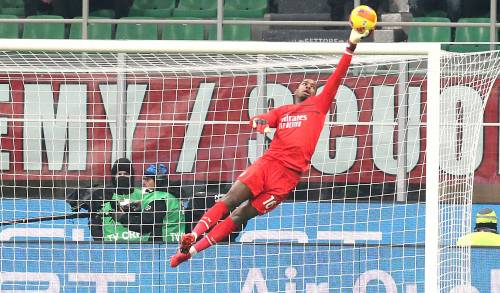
(114, 113)
(195, 128)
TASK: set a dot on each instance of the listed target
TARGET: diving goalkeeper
(268, 181)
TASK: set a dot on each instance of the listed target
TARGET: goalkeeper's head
(306, 89)
(155, 176)
(486, 221)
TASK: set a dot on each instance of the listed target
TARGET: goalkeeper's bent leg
(238, 193)
(210, 218)
(218, 233)
(223, 230)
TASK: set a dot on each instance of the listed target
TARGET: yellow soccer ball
(363, 18)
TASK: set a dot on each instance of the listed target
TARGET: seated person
(122, 213)
(485, 232)
(155, 184)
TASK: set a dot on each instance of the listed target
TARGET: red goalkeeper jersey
(299, 126)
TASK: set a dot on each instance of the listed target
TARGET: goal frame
(432, 51)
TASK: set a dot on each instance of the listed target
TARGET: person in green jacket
(155, 186)
(122, 213)
(485, 232)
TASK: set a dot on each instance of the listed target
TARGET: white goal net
(355, 223)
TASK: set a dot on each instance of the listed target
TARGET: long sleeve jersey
(299, 126)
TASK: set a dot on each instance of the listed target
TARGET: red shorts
(270, 183)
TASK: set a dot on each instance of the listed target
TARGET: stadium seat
(153, 4)
(183, 32)
(12, 3)
(9, 30)
(202, 13)
(152, 8)
(104, 13)
(95, 31)
(44, 30)
(198, 4)
(13, 11)
(196, 8)
(471, 34)
(232, 32)
(430, 33)
(12, 7)
(436, 13)
(136, 31)
(155, 13)
(245, 8)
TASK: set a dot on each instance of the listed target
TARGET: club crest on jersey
(292, 121)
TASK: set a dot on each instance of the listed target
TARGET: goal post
(74, 106)
(432, 173)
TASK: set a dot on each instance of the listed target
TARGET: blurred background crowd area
(142, 11)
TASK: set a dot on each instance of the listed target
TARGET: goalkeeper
(268, 181)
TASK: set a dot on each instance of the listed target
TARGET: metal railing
(219, 21)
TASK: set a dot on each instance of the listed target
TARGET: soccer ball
(363, 18)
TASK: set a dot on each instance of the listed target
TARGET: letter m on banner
(61, 122)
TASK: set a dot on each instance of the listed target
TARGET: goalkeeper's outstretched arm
(325, 99)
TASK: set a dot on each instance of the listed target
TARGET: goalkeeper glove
(260, 125)
(356, 36)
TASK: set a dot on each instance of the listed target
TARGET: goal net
(380, 210)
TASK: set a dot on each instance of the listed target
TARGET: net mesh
(355, 222)
(466, 83)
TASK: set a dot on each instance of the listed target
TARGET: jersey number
(270, 202)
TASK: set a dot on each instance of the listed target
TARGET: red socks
(218, 233)
(211, 217)
(209, 220)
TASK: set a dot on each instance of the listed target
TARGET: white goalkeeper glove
(356, 36)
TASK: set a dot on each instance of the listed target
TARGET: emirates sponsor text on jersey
(291, 121)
